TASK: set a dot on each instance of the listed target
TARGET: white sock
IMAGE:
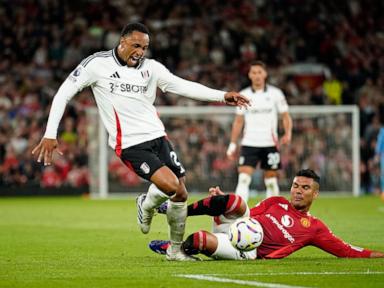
(271, 186)
(176, 217)
(242, 188)
(154, 197)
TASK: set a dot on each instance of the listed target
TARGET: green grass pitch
(76, 242)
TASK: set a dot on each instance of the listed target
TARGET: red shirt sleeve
(284, 251)
(325, 240)
(262, 206)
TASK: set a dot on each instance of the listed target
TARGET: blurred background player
(379, 157)
(288, 226)
(124, 84)
(260, 141)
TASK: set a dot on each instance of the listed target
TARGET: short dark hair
(130, 27)
(259, 63)
(309, 173)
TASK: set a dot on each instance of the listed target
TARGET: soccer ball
(246, 234)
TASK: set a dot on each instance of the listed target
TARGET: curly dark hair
(130, 27)
(309, 173)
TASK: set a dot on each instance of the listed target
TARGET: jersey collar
(264, 90)
(117, 58)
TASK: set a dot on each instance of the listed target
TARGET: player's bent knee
(169, 186)
(236, 207)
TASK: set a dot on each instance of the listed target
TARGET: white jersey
(261, 118)
(125, 96)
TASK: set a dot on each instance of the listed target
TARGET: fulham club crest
(145, 168)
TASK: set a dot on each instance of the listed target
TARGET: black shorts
(268, 156)
(145, 158)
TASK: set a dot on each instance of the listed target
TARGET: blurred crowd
(208, 41)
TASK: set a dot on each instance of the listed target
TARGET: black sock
(188, 246)
(213, 206)
(195, 244)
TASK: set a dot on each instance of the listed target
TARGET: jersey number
(176, 161)
(273, 160)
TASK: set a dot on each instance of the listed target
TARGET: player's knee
(170, 186)
(236, 206)
(244, 179)
(181, 194)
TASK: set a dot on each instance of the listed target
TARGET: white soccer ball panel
(246, 234)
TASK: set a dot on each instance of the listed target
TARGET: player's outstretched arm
(376, 254)
(45, 150)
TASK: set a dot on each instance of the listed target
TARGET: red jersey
(287, 230)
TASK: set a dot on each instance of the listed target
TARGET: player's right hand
(45, 149)
(231, 150)
(236, 99)
(215, 191)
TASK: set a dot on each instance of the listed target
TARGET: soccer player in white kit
(124, 85)
(260, 140)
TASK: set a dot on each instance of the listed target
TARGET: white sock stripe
(234, 204)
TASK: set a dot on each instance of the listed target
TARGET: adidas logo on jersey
(115, 75)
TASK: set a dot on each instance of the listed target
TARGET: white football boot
(144, 217)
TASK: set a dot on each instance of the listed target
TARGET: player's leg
(225, 209)
(270, 163)
(243, 182)
(177, 204)
(215, 245)
(176, 211)
(144, 160)
(247, 161)
(229, 205)
(271, 183)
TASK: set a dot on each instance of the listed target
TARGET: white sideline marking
(304, 273)
(236, 281)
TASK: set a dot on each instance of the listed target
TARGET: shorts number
(273, 160)
(176, 161)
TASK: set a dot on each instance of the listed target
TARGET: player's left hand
(286, 139)
(236, 99)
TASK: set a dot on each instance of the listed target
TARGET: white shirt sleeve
(75, 82)
(171, 83)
